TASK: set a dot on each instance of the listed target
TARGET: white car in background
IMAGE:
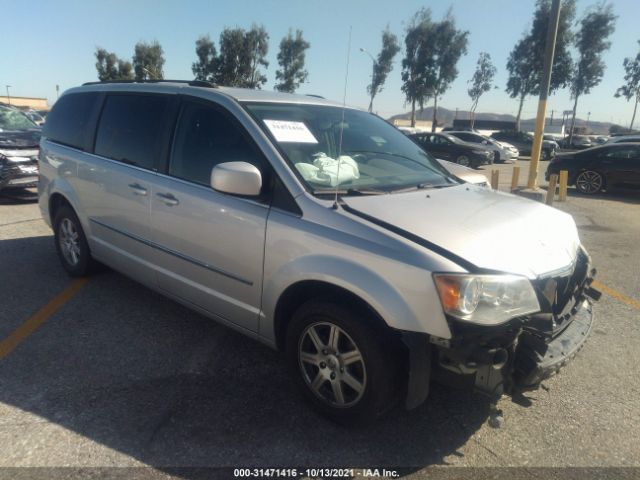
(514, 153)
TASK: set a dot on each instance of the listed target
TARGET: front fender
(413, 307)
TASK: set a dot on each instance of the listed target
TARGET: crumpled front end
(18, 168)
(520, 354)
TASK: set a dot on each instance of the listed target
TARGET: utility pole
(8, 96)
(587, 125)
(550, 47)
(57, 91)
(551, 121)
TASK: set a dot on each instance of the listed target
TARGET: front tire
(340, 363)
(464, 161)
(589, 182)
(71, 243)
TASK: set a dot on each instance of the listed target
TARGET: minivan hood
(490, 229)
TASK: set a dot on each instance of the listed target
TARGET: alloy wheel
(589, 182)
(69, 241)
(464, 161)
(331, 364)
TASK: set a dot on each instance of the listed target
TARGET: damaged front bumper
(18, 168)
(516, 356)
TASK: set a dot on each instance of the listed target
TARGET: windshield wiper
(349, 191)
(421, 186)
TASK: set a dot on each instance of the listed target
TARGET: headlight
(486, 299)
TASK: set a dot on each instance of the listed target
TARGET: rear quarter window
(68, 121)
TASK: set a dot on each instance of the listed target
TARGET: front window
(331, 147)
(14, 120)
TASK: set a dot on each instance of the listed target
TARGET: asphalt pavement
(119, 376)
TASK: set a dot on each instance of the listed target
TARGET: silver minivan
(319, 230)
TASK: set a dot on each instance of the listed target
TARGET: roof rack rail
(314, 95)
(192, 83)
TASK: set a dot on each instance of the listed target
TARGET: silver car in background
(500, 152)
(319, 230)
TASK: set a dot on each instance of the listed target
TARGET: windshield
(13, 120)
(375, 156)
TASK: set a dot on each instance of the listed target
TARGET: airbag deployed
(324, 170)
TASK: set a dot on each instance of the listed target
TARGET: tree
(416, 64)
(631, 89)
(450, 45)
(526, 60)
(591, 42)
(110, 67)
(481, 82)
(205, 67)
(256, 48)
(148, 60)
(241, 54)
(291, 60)
(383, 65)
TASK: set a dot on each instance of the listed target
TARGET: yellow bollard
(564, 179)
(551, 190)
(515, 178)
(495, 179)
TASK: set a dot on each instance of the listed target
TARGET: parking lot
(112, 374)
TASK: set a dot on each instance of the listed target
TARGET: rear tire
(341, 364)
(71, 243)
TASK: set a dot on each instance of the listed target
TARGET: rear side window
(206, 137)
(130, 128)
(68, 121)
(467, 138)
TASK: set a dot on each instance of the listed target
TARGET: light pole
(8, 96)
(373, 70)
(554, 17)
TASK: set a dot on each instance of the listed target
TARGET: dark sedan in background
(524, 143)
(600, 168)
(19, 148)
(447, 147)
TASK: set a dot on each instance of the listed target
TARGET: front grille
(557, 293)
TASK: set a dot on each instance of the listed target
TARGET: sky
(45, 43)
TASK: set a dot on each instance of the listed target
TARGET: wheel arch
(57, 200)
(297, 294)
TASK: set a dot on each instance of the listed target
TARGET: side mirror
(237, 178)
(485, 142)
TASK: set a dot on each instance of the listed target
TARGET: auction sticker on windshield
(294, 132)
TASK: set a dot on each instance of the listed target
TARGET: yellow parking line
(632, 302)
(38, 318)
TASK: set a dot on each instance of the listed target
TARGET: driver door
(210, 245)
(441, 147)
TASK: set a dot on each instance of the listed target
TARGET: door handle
(138, 189)
(168, 199)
